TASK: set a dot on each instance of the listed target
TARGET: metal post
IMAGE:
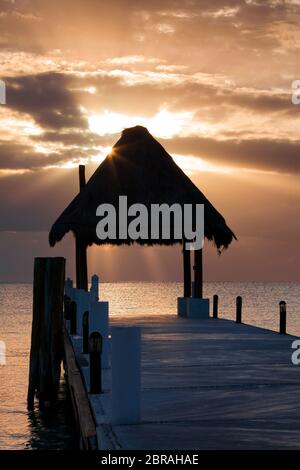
(215, 306)
(95, 346)
(282, 317)
(239, 302)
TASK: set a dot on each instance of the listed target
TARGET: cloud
(15, 156)
(47, 98)
(225, 12)
(212, 113)
(264, 154)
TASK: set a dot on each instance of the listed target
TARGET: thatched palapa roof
(140, 168)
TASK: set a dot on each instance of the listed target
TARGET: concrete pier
(206, 384)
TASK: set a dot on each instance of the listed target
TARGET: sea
(21, 430)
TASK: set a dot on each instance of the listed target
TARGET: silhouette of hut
(140, 168)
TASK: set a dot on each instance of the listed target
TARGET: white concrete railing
(124, 356)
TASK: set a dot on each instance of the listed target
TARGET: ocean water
(22, 430)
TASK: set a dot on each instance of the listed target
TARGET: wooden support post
(215, 306)
(85, 333)
(81, 177)
(187, 282)
(73, 318)
(198, 274)
(282, 317)
(81, 246)
(95, 348)
(81, 264)
(47, 327)
(239, 302)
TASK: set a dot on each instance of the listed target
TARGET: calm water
(20, 430)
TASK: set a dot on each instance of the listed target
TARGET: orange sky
(210, 80)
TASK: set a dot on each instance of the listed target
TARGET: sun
(164, 124)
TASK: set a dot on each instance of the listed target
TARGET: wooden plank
(79, 396)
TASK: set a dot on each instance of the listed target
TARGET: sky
(212, 81)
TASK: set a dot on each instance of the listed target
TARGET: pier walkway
(206, 384)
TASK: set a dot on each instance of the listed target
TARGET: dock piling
(95, 347)
(198, 274)
(215, 306)
(239, 302)
(282, 317)
(187, 284)
(46, 350)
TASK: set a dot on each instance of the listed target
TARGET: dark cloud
(46, 98)
(264, 154)
(51, 99)
(15, 156)
(71, 140)
(32, 201)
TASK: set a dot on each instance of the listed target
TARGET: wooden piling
(198, 268)
(282, 317)
(187, 282)
(81, 264)
(95, 348)
(239, 302)
(215, 306)
(47, 328)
